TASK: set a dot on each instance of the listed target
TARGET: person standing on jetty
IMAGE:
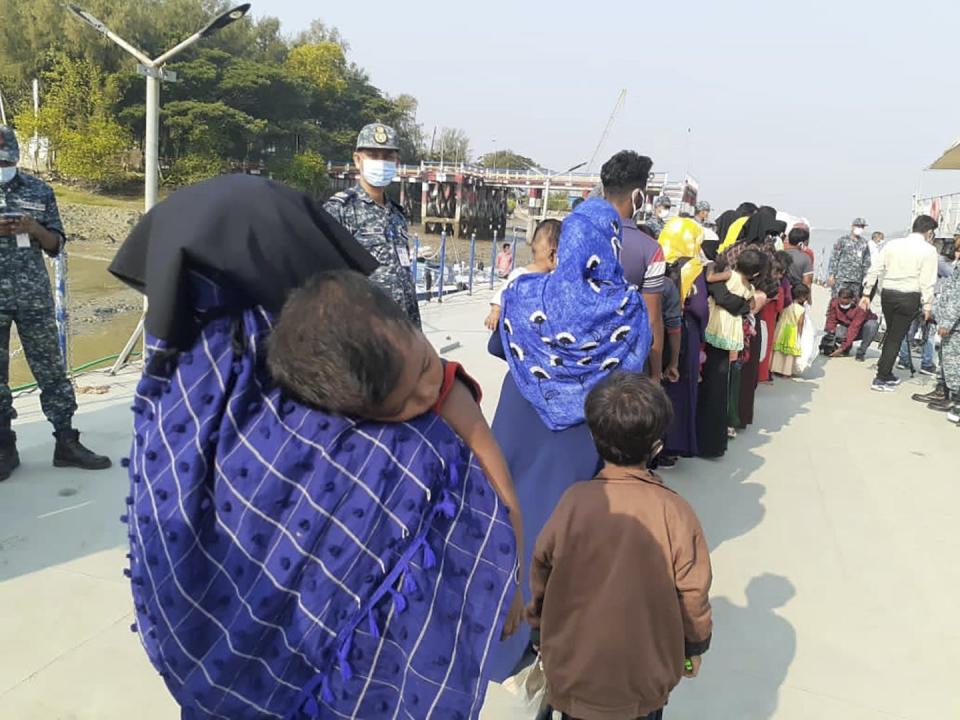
(29, 227)
(849, 260)
(376, 221)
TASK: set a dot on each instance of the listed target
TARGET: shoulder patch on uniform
(343, 196)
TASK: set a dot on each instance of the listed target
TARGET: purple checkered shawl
(286, 563)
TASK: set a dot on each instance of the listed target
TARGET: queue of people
(323, 524)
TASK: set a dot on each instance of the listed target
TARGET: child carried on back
(546, 238)
(341, 344)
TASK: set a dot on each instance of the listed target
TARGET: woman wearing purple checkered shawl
(287, 563)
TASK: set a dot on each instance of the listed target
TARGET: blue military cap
(377, 136)
(9, 149)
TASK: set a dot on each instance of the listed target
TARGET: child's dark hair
(801, 294)
(333, 345)
(784, 260)
(627, 414)
(548, 231)
(846, 292)
(751, 262)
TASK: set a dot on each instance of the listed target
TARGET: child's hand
(515, 616)
(672, 374)
(493, 318)
(692, 667)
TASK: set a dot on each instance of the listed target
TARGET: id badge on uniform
(23, 241)
(403, 254)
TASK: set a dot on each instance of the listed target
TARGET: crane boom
(606, 130)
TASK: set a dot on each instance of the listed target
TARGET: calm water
(93, 335)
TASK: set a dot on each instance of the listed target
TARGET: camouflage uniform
(653, 223)
(947, 313)
(26, 298)
(849, 263)
(381, 229)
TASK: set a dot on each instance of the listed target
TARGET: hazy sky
(823, 109)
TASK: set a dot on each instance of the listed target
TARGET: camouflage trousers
(856, 287)
(950, 361)
(38, 334)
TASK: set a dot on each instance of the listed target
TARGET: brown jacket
(620, 577)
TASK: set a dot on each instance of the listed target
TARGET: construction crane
(606, 130)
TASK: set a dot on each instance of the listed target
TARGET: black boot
(70, 452)
(9, 457)
(941, 405)
(938, 394)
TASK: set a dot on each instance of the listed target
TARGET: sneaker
(954, 414)
(881, 386)
(860, 358)
(892, 381)
(928, 370)
(665, 462)
(901, 365)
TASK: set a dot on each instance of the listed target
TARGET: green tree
(323, 66)
(450, 144)
(508, 159)
(87, 141)
(246, 94)
(306, 171)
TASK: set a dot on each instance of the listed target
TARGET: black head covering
(762, 223)
(724, 221)
(260, 238)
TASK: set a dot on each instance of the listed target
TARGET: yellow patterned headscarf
(681, 238)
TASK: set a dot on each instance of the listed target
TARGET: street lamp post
(546, 188)
(154, 72)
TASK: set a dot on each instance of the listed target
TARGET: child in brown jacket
(621, 572)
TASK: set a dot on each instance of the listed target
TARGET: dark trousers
(655, 715)
(899, 310)
(38, 335)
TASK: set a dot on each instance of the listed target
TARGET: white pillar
(152, 141)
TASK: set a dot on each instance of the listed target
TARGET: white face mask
(857, 231)
(846, 307)
(379, 173)
(662, 213)
(7, 174)
(637, 196)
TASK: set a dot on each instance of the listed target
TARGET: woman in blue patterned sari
(288, 563)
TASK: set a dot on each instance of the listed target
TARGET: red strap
(453, 371)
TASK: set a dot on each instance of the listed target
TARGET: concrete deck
(831, 524)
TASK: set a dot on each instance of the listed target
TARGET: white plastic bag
(521, 697)
(808, 344)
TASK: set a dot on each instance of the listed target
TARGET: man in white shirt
(907, 267)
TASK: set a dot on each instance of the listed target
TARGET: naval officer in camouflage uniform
(850, 260)
(375, 220)
(30, 226)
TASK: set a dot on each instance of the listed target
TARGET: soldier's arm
(336, 206)
(47, 228)
(834, 256)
